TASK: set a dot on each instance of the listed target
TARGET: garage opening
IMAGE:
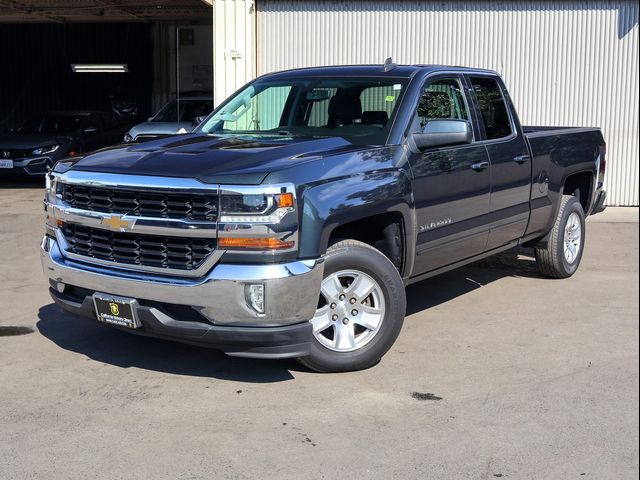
(127, 58)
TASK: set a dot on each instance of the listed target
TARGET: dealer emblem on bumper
(115, 310)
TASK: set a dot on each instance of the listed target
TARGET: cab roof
(397, 71)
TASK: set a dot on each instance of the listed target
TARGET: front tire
(360, 311)
(562, 255)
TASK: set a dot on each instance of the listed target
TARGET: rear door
(451, 184)
(510, 163)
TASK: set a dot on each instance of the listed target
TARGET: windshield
(52, 124)
(360, 110)
(189, 109)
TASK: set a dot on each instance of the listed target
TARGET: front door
(451, 184)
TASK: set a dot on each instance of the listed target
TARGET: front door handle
(478, 167)
(521, 159)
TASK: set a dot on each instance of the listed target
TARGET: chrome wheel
(350, 311)
(572, 237)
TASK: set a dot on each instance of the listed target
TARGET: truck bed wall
(558, 153)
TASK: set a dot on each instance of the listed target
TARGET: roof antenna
(388, 65)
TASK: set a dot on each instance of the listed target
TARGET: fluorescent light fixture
(99, 67)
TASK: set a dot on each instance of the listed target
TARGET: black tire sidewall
(375, 264)
(572, 206)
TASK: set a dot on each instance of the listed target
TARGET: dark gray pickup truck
(290, 221)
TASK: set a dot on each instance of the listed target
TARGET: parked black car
(45, 138)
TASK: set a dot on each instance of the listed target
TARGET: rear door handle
(521, 159)
(478, 167)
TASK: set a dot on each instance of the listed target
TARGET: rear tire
(360, 311)
(562, 255)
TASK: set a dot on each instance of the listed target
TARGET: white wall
(234, 46)
(566, 63)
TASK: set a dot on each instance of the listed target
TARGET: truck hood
(211, 159)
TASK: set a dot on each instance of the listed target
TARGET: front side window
(442, 99)
(359, 110)
(493, 108)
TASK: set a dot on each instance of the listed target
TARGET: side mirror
(441, 133)
(90, 130)
(198, 120)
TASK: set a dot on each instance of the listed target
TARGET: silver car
(169, 121)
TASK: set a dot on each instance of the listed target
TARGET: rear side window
(493, 108)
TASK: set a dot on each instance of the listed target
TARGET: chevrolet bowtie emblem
(116, 222)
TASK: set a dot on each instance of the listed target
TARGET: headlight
(49, 181)
(51, 197)
(255, 208)
(258, 218)
(127, 138)
(45, 150)
(51, 187)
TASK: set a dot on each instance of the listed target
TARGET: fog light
(254, 294)
(60, 287)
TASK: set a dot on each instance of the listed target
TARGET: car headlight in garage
(45, 150)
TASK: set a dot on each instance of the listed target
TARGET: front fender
(336, 202)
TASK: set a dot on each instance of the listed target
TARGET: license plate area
(120, 311)
(6, 163)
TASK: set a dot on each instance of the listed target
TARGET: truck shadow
(107, 345)
(518, 262)
(114, 347)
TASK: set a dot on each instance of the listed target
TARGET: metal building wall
(566, 63)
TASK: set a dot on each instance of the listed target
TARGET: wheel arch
(357, 204)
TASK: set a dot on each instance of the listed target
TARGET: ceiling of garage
(86, 11)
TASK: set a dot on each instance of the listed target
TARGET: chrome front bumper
(291, 290)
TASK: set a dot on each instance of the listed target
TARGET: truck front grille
(154, 204)
(134, 249)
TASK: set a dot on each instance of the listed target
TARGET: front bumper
(218, 313)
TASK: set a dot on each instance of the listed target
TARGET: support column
(234, 46)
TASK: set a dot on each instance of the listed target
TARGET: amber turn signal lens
(285, 200)
(256, 243)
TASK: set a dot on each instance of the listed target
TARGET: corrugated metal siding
(233, 46)
(566, 63)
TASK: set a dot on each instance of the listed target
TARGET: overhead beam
(28, 10)
(122, 8)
